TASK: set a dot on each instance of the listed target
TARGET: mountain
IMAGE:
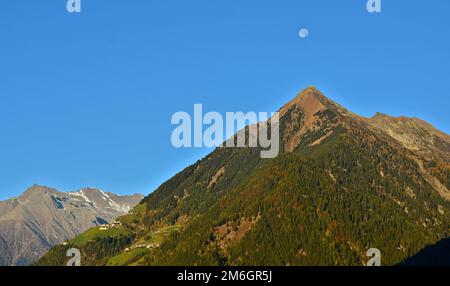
(431, 146)
(341, 185)
(43, 217)
(416, 135)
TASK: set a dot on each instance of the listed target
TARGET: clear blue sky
(86, 100)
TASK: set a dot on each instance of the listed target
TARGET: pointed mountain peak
(311, 93)
(311, 100)
(310, 114)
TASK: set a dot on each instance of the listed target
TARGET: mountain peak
(38, 187)
(310, 114)
(311, 100)
(310, 93)
(36, 190)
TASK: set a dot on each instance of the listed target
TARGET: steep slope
(339, 187)
(43, 217)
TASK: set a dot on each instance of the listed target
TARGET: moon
(303, 33)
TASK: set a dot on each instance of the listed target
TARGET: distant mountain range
(43, 217)
(342, 184)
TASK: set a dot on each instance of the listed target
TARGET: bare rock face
(43, 217)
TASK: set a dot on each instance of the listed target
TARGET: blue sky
(86, 99)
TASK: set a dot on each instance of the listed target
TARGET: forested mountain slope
(341, 185)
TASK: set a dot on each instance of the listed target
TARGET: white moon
(303, 33)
